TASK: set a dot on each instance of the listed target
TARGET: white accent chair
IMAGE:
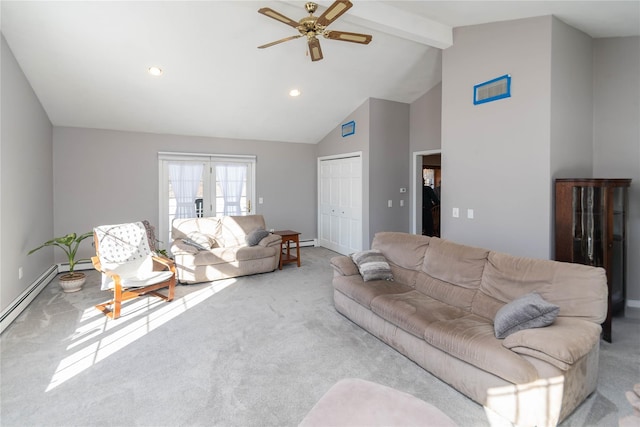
(129, 268)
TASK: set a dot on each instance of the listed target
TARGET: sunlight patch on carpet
(98, 337)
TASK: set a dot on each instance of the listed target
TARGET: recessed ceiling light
(155, 71)
(294, 92)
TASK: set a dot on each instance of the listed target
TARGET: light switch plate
(456, 213)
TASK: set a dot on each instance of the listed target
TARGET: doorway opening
(426, 195)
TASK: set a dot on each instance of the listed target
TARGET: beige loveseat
(214, 248)
(439, 311)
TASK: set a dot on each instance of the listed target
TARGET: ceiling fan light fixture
(155, 71)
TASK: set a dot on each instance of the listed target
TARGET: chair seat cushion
(144, 279)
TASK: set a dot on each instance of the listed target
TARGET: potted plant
(71, 281)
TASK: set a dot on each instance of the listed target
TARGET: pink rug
(355, 402)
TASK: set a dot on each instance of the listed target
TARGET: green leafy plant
(69, 244)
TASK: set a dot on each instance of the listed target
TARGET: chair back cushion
(124, 250)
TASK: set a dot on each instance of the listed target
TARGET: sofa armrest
(271, 240)
(344, 266)
(563, 343)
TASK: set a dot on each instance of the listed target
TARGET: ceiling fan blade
(314, 49)
(348, 37)
(286, 39)
(334, 12)
(278, 17)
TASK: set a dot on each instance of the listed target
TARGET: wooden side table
(288, 237)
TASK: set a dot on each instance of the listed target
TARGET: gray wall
(496, 155)
(26, 188)
(616, 69)
(571, 103)
(389, 159)
(106, 177)
(334, 144)
(425, 134)
(382, 135)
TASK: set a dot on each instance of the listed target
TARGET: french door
(195, 185)
(340, 203)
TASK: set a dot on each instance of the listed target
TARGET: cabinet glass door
(588, 225)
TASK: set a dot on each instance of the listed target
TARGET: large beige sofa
(214, 248)
(439, 311)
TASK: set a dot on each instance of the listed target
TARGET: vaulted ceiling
(87, 61)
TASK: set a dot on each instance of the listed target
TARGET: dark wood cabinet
(590, 228)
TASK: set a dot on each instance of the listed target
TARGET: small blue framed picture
(492, 90)
(348, 128)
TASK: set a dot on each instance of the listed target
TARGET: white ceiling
(87, 60)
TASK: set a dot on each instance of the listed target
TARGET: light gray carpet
(259, 352)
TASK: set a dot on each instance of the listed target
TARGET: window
(202, 185)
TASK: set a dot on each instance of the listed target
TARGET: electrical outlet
(260, 200)
(390, 203)
(470, 213)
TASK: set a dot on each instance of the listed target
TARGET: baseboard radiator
(9, 314)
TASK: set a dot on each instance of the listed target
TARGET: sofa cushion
(233, 229)
(254, 237)
(454, 263)
(413, 311)
(182, 227)
(363, 292)
(372, 265)
(194, 244)
(402, 249)
(456, 296)
(471, 339)
(527, 312)
(233, 255)
(579, 290)
(205, 240)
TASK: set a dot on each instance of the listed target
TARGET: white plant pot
(70, 283)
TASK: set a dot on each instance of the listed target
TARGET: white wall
(26, 189)
(107, 177)
(616, 69)
(496, 156)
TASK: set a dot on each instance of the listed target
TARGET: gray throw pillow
(528, 311)
(254, 237)
(372, 265)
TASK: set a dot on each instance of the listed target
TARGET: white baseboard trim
(82, 265)
(633, 303)
(308, 242)
(9, 314)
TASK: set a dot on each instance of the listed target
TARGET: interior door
(340, 204)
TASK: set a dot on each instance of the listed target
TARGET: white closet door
(340, 207)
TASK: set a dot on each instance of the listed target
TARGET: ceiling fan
(312, 26)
